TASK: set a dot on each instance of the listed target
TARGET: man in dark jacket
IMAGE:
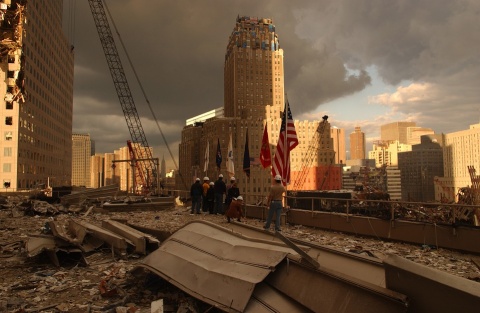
(196, 192)
(220, 190)
(210, 197)
(232, 192)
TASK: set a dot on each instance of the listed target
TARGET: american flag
(287, 140)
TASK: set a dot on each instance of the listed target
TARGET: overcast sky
(362, 62)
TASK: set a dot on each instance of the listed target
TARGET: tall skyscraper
(81, 155)
(357, 144)
(253, 71)
(253, 96)
(36, 71)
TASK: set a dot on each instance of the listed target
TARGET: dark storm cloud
(178, 47)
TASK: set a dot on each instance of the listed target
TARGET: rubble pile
(101, 278)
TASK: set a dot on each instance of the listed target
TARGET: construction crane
(310, 155)
(139, 149)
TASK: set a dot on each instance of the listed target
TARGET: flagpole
(286, 149)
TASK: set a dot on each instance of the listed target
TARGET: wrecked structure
(206, 264)
(36, 78)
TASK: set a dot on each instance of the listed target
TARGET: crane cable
(143, 90)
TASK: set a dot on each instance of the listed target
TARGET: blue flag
(218, 158)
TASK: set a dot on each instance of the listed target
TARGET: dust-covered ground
(108, 283)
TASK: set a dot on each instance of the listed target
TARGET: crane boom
(310, 155)
(148, 174)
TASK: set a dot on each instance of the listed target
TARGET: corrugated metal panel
(213, 265)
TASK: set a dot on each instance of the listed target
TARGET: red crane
(310, 155)
(147, 171)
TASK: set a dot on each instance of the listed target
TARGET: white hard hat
(212, 183)
(278, 177)
(239, 198)
(233, 178)
(221, 175)
(206, 178)
(198, 179)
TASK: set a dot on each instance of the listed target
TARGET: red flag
(265, 154)
(287, 140)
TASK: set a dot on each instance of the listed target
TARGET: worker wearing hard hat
(232, 192)
(274, 203)
(210, 197)
(196, 195)
(220, 190)
(235, 209)
(205, 187)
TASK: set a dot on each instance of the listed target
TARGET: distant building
(338, 136)
(385, 153)
(254, 96)
(462, 149)
(205, 116)
(36, 78)
(357, 144)
(97, 173)
(396, 131)
(81, 154)
(116, 168)
(414, 134)
(419, 168)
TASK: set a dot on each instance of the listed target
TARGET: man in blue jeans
(274, 201)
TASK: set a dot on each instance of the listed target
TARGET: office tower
(81, 158)
(253, 97)
(461, 150)
(338, 136)
(253, 71)
(357, 144)
(396, 131)
(36, 71)
(385, 153)
(97, 170)
(419, 168)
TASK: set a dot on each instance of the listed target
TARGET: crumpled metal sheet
(214, 265)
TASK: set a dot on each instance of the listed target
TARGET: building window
(8, 136)
(8, 120)
(9, 105)
(7, 151)
(7, 167)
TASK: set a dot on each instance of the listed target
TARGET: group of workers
(208, 197)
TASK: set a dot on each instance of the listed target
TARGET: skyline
(362, 63)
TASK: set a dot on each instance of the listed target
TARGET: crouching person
(235, 209)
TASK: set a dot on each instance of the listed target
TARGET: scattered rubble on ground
(99, 278)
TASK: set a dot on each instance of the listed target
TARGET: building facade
(82, 151)
(396, 131)
(36, 71)
(462, 149)
(357, 144)
(385, 153)
(338, 136)
(253, 97)
(419, 168)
